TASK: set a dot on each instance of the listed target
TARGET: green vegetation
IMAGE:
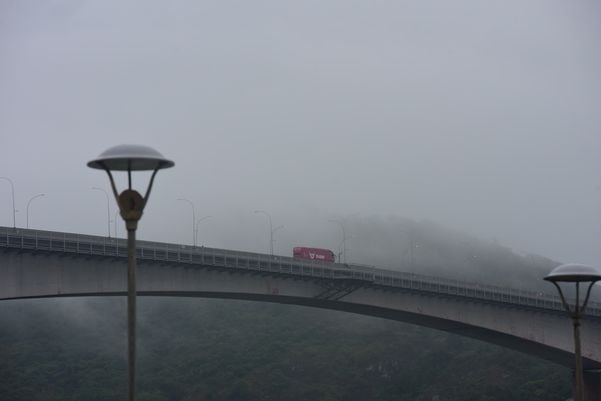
(194, 349)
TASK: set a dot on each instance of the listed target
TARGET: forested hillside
(194, 349)
(425, 247)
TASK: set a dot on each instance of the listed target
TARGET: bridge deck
(25, 239)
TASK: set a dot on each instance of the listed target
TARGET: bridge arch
(45, 264)
(521, 344)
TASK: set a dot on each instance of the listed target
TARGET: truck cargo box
(323, 255)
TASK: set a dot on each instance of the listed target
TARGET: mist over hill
(428, 248)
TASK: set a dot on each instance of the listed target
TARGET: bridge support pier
(592, 385)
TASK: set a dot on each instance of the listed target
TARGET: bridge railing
(221, 258)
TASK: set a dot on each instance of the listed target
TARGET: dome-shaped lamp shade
(130, 157)
(573, 272)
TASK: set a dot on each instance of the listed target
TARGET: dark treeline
(194, 349)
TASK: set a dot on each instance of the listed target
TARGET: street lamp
(193, 218)
(29, 202)
(271, 229)
(131, 205)
(341, 224)
(108, 210)
(412, 245)
(198, 222)
(115, 223)
(575, 273)
(12, 188)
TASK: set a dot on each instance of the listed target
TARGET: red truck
(323, 255)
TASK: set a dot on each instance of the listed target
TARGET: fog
(484, 118)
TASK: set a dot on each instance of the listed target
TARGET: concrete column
(592, 385)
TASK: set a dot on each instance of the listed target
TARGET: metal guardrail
(222, 258)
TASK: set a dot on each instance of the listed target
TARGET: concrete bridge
(36, 264)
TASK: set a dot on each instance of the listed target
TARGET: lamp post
(29, 202)
(115, 223)
(412, 245)
(577, 274)
(131, 205)
(193, 218)
(341, 224)
(12, 188)
(271, 229)
(197, 223)
(108, 210)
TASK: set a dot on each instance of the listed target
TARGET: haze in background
(483, 117)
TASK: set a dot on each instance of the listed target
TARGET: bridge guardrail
(221, 258)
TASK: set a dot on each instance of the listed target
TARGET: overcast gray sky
(482, 116)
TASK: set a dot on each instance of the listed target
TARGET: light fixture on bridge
(271, 229)
(12, 190)
(131, 205)
(577, 274)
(29, 203)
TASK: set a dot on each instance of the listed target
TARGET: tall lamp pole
(131, 205)
(12, 189)
(115, 223)
(193, 218)
(108, 210)
(271, 229)
(412, 245)
(29, 202)
(577, 274)
(341, 224)
(197, 223)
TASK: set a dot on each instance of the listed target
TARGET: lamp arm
(563, 299)
(129, 174)
(113, 187)
(577, 306)
(150, 185)
(588, 293)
